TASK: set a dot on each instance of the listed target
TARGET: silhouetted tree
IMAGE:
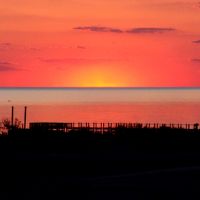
(7, 124)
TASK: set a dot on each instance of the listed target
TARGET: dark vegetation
(129, 164)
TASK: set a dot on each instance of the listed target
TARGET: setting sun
(100, 76)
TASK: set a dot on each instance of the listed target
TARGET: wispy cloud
(137, 30)
(150, 30)
(61, 60)
(81, 47)
(65, 63)
(7, 66)
(196, 41)
(72, 60)
(5, 44)
(179, 4)
(196, 60)
(99, 29)
(34, 49)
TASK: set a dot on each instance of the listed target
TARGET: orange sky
(87, 43)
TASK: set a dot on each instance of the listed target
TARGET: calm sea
(148, 105)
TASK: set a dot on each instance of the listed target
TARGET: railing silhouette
(106, 127)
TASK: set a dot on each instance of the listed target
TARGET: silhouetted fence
(105, 127)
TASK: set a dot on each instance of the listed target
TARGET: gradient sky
(87, 43)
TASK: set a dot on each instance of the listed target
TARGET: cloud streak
(196, 60)
(99, 29)
(5, 44)
(150, 30)
(81, 47)
(196, 41)
(72, 60)
(7, 66)
(137, 30)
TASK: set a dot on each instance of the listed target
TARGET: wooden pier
(105, 127)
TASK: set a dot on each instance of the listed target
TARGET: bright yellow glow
(98, 76)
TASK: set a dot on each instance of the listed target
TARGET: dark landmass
(130, 164)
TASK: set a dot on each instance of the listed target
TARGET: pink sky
(78, 43)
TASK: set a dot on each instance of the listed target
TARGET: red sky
(78, 43)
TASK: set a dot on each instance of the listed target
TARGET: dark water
(103, 105)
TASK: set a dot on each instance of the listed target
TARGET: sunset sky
(99, 43)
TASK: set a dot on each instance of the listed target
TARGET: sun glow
(98, 76)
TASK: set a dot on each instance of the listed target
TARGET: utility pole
(25, 115)
(12, 117)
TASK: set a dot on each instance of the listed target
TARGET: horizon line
(152, 87)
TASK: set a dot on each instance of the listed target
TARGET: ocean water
(144, 105)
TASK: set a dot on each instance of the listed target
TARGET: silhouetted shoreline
(130, 163)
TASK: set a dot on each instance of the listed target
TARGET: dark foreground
(133, 164)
